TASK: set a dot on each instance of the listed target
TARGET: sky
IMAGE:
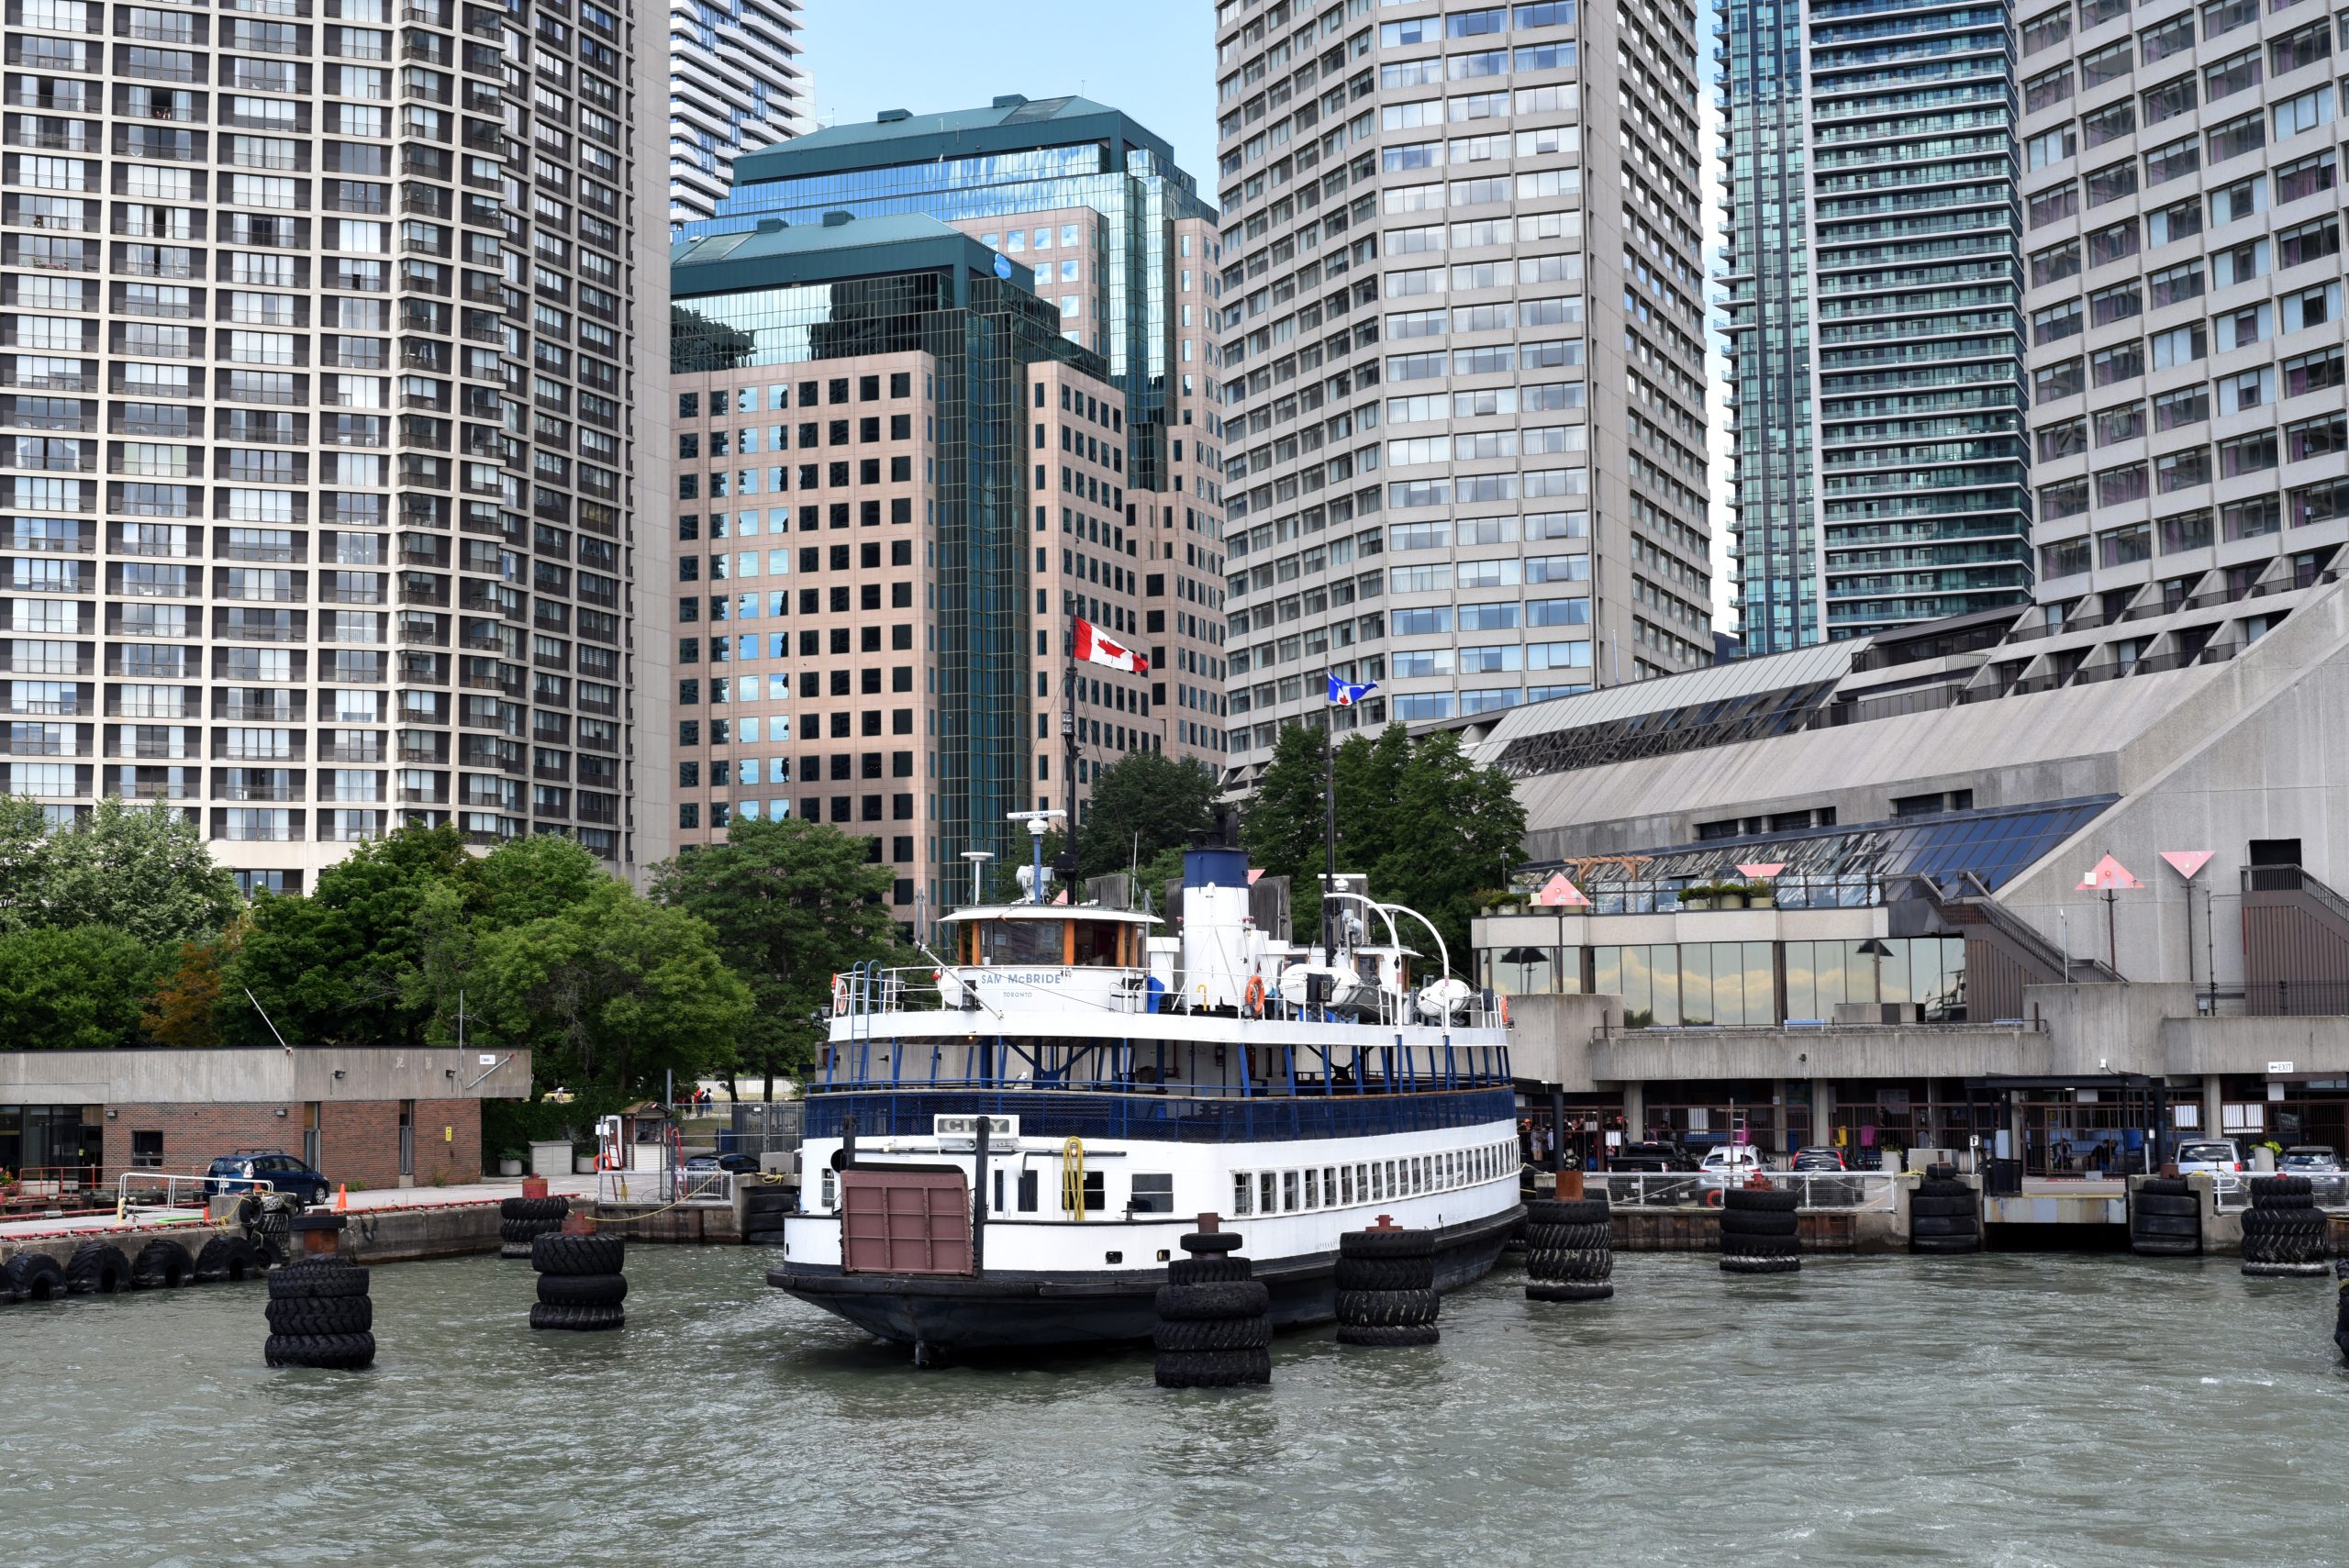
(1156, 62)
(1158, 66)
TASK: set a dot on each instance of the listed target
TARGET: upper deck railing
(869, 993)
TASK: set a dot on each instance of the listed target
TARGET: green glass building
(1873, 304)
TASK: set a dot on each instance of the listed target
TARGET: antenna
(265, 1017)
(1039, 824)
(978, 859)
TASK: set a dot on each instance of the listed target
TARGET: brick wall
(358, 1140)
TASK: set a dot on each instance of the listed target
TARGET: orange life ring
(1253, 1001)
(840, 996)
(1504, 1012)
(1714, 1197)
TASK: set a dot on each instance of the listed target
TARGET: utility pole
(1066, 863)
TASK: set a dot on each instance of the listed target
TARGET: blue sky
(1154, 61)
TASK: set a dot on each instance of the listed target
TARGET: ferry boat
(1002, 1152)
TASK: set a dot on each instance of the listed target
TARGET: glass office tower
(1875, 313)
(1088, 207)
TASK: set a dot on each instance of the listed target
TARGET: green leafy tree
(1282, 825)
(73, 988)
(1456, 827)
(140, 868)
(1370, 782)
(790, 904)
(611, 992)
(1144, 798)
(338, 967)
(183, 1009)
(25, 844)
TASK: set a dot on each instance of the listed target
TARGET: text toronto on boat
(1003, 1150)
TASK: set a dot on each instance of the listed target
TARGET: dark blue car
(243, 1171)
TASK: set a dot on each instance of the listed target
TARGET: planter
(509, 1167)
(1696, 900)
(583, 1164)
(1762, 900)
(1729, 900)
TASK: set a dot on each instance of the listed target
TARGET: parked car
(2215, 1155)
(741, 1165)
(238, 1171)
(1729, 1166)
(1656, 1157)
(1819, 1160)
(2309, 1160)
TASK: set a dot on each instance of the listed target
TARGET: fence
(1055, 1114)
(1849, 1190)
(2231, 1190)
(636, 1188)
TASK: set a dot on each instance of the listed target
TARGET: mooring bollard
(1386, 1286)
(1569, 1247)
(1945, 1215)
(1761, 1234)
(522, 1220)
(580, 1283)
(1215, 1328)
(319, 1314)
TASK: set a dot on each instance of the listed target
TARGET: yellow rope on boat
(1073, 1177)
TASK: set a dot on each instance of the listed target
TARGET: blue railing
(1173, 1118)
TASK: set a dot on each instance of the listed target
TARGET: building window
(147, 1150)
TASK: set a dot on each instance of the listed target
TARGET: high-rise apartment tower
(1463, 354)
(324, 412)
(737, 82)
(1872, 294)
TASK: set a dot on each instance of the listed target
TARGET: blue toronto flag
(1345, 694)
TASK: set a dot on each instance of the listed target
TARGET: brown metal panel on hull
(905, 1222)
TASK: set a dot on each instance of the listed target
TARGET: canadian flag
(1096, 647)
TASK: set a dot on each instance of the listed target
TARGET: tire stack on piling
(2165, 1220)
(1569, 1249)
(2283, 1230)
(227, 1260)
(319, 1314)
(1760, 1231)
(1215, 1329)
(580, 1283)
(1386, 1286)
(1945, 1215)
(522, 1220)
(764, 1204)
(2341, 1313)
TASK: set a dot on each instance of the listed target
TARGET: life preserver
(1504, 1012)
(1253, 1001)
(1712, 1198)
(840, 996)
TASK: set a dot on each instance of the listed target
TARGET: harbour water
(2016, 1410)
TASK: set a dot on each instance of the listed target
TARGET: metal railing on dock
(1852, 1190)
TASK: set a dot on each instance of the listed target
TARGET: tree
(1465, 826)
(24, 861)
(611, 992)
(73, 989)
(790, 904)
(143, 870)
(1370, 781)
(1145, 796)
(183, 1009)
(337, 967)
(1282, 827)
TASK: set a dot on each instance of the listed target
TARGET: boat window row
(1370, 1181)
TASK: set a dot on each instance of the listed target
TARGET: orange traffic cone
(342, 1198)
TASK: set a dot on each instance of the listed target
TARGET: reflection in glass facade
(1742, 985)
(1882, 470)
(981, 335)
(1015, 157)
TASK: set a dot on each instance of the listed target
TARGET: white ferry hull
(1012, 1310)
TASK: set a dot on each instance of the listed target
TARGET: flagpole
(1068, 738)
(1329, 824)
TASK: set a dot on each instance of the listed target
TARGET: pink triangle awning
(2187, 862)
(2108, 876)
(1558, 892)
(1761, 869)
